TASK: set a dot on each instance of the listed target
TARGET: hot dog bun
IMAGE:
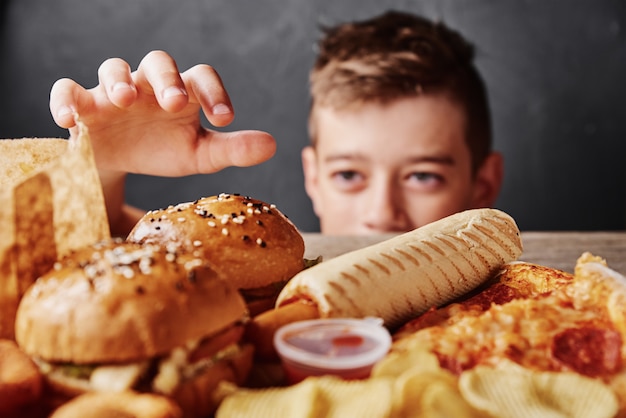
(247, 241)
(407, 274)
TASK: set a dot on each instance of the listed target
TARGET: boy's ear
(488, 181)
(311, 175)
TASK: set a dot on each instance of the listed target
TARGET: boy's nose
(385, 210)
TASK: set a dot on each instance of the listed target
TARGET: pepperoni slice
(589, 350)
(498, 294)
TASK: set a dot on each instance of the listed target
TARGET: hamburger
(246, 240)
(117, 316)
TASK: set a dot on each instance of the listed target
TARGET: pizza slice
(549, 321)
(516, 280)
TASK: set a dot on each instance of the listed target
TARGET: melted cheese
(117, 378)
(175, 368)
(171, 371)
(521, 330)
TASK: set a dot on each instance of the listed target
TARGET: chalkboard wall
(556, 73)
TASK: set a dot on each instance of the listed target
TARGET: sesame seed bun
(247, 241)
(103, 304)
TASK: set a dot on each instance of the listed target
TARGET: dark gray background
(556, 73)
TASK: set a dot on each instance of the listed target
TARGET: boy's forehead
(415, 126)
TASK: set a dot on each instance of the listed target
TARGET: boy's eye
(422, 176)
(426, 178)
(347, 175)
(348, 180)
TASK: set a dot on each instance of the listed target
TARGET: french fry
(261, 329)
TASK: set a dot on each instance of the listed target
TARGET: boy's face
(392, 168)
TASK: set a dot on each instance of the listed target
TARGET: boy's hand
(148, 122)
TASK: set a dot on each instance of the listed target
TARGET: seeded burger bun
(248, 242)
(118, 316)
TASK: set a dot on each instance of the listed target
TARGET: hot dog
(261, 329)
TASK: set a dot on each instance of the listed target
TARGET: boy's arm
(122, 216)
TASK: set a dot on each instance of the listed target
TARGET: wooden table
(553, 249)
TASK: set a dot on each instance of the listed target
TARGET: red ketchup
(347, 348)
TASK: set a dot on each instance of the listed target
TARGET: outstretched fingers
(206, 88)
(116, 89)
(115, 79)
(158, 75)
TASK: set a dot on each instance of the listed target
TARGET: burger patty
(160, 374)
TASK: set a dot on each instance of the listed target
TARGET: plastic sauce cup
(347, 348)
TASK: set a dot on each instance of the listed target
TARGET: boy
(399, 125)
